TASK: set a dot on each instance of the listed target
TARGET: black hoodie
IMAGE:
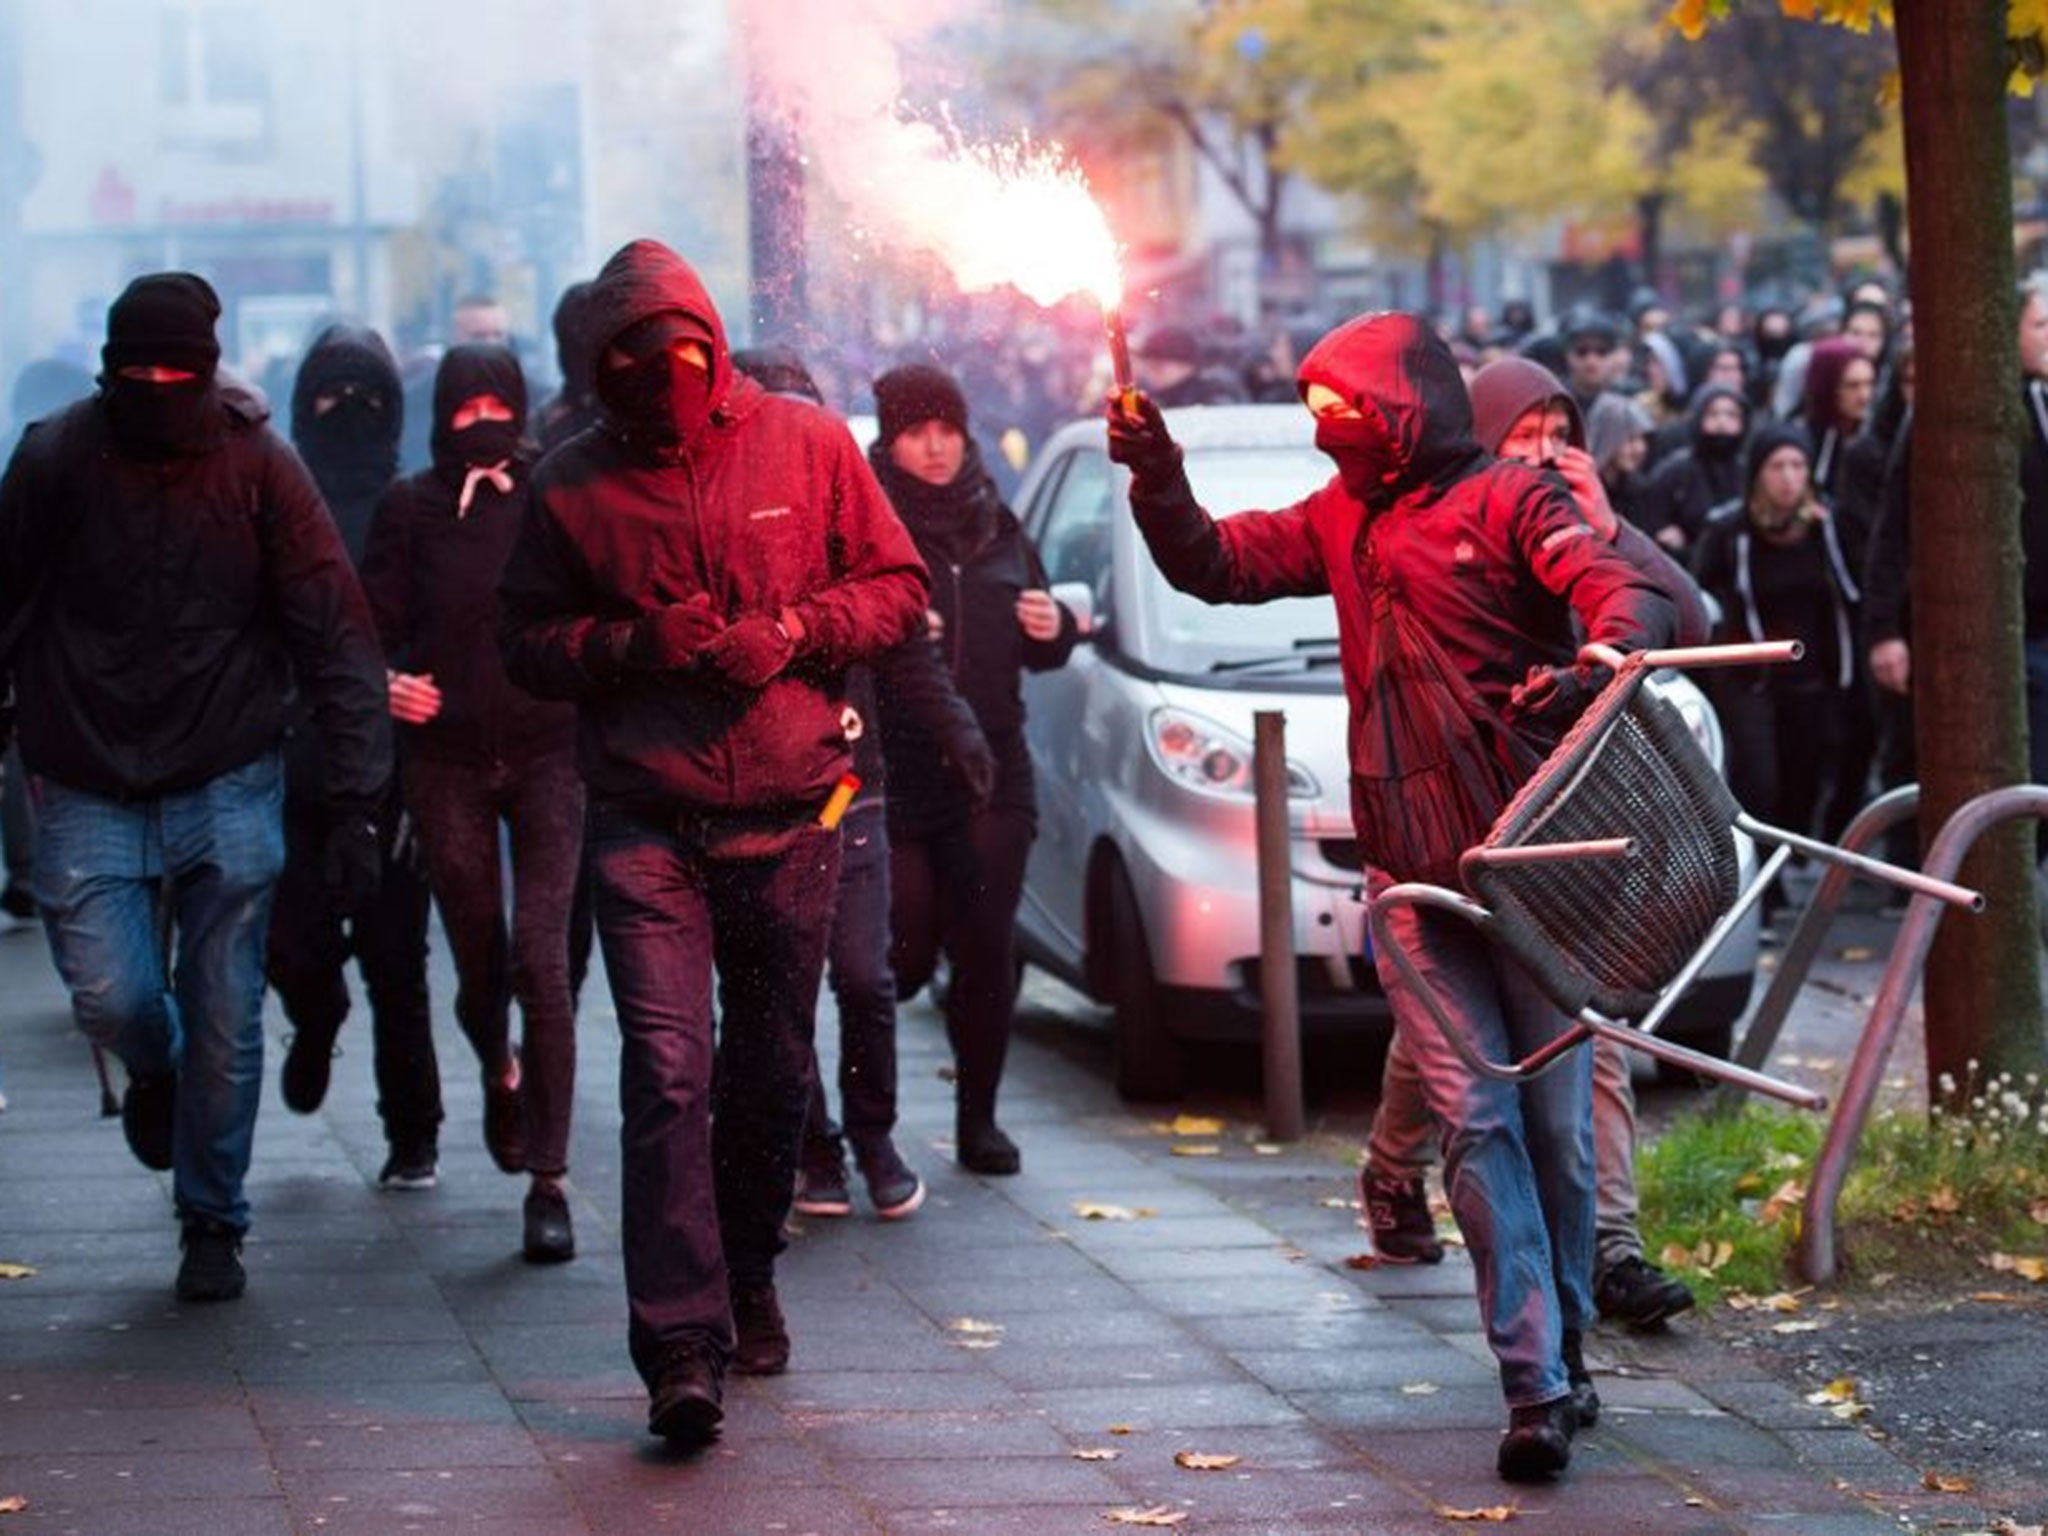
(770, 507)
(432, 572)
(352, 449)
(1700, 476)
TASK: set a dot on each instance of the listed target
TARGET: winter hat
(164, 319)
(1508, 388)
(914, 393)
(1767, 441)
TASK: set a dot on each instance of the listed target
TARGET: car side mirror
(1078, 598)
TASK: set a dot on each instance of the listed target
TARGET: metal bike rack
(1814, 1254)
(1887, 811)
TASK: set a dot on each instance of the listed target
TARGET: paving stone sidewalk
(396, 1367)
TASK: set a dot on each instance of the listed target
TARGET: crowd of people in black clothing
(742, 701)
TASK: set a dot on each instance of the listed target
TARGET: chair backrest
(1611, 932)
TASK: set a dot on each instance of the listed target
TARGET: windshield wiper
(1306, 653)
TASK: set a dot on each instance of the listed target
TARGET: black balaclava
(484, 452)
(1718, 447)
(163, 320)
(658, 398)
(352, 447)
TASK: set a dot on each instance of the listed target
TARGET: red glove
(674, 637)
(752, 650)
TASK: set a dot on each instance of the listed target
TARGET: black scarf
(952, 521)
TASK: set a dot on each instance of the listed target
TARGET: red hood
(646, 278)
(1396, 370)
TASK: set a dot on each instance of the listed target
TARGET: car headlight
(1201, 755)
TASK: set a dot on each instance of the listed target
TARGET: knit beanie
(1767, 441)
(917, 392)
(164, 319)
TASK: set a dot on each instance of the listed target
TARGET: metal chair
(1614, 875)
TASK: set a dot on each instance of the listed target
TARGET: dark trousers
(459, 807)
(1783, 745)
(710, 1134)
(857, 963)
(309, 947)
(957, 889)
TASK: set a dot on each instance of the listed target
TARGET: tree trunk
(1983, 982)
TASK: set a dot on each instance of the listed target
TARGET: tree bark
(1983, 982)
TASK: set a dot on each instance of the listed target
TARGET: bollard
(1280, 1024)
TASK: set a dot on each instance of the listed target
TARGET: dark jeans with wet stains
(710, 1132)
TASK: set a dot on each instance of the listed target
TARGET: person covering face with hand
(1446, 565)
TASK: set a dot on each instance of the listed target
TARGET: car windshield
(1184, 634)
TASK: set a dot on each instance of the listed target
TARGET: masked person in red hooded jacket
(1456, 578)
(697, 575)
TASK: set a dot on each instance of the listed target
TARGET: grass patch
(1933, 1194)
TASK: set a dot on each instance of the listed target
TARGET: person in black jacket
(957, 868)
(1774, 561)
(908, 682)
(481, 752)
(181, 573)
(1706, 472)
(698, 575)
(346, 403)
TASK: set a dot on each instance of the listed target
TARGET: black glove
(1549, 699)
(351, 862)
(1141, 442)
(751, 650)
(974, 765)
(675, 636)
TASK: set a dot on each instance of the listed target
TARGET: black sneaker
(1585, 1397)
(985, 1149)
(149, 1118)
(686, 1402)
(212, 1266)
(1397, 1216)
(308, 1060)
(16, 902)
(893, 1189)
(505, 1118)
(550, 1239)
(1636, 1292)
(1538, 1444)
(410, 1166)
(821, 1182)
(760, 1338)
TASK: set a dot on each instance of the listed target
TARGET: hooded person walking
(696, 576)
(347, 406)
(1456, 580)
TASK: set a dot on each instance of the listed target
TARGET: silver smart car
(1142, 888)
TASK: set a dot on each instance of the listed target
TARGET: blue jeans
(122, 882)
(1518, 1158)
(709, 1139)
(865, 990)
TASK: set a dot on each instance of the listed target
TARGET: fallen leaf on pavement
(1419, 1389)
(1694, 1501)
(973, 1325)
(1857, 952)
(1995, 1296)
(1784, 1200)
(1841, 1390)
(1090, 1210)
(1706, 1256)
(1363, 1261)
(1944, 1201)
(1203, 1461)
(1158, 1514)
(1097, 1453)
(1189, 1125)
(13, 1504)
(1337, 1203)
(16, 1272)
(1195, 1149)
(1796, 1327)
(2026, 1266)
(1119, 1429)
(1267, 1148)
(2008, 1528)
(1493, 1514)
(1939, 1482)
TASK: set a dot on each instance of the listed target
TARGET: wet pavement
(1136, 1293)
